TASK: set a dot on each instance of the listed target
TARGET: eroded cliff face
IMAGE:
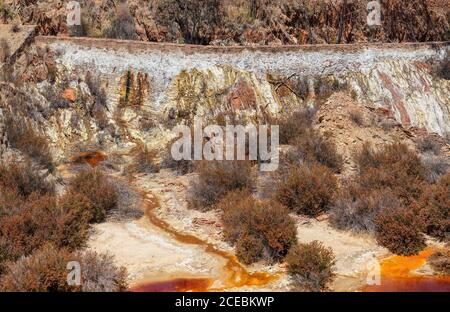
(142, 90)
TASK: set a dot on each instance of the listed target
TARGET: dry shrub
(399, 231)
(122, 27)
(313, 147)
(46, 271)
(295, 124)
(355, 208)
(394, 167)
(428, 145)
(101, 193)
(260, 229)
(310, 146)
(24, 224)
(100, 274)
(435, 167)
(311, 265)
(74, 213)
(22, 136)
(145, 159)
(23, 178)
(307, 189)
(196, 20)
(27, 224)
(357, 117)
(216, 178)
(440, 261)
(435, 209)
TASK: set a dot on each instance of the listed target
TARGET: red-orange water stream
(397, 275)
(236, 274)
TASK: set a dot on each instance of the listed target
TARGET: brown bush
(355, 208)
(435, 167)
(394, 167)
(249, 248)
(307, 189)
(357, 117)
(216, 178)
(428, 144)
(399, 231)
(434, 205)
(122, 27)
(440, 261)
(27, 224)
(260, 229)
(46, 271)
(196, 20)
(311, 265)
(145, 160)
(74, 213)
(24, 179)
(22, 136)
(94, 186)
(295, 124)
(100, 274)
(313, 147)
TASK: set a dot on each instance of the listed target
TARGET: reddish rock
(243, 96)
(69, 94)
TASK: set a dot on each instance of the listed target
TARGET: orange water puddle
(176, 285)
(236, 274)
(397, 275)
(91, 158)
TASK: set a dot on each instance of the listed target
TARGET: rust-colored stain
(397, 275)
(91, 158)
(398, 102)
(235, 274)
(243, 96)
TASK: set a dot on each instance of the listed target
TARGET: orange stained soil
(397, 275)
(91, 158)
(235, 274)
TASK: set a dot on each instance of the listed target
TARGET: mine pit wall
(392, 76)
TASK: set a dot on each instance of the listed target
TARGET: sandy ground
(149, 254)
